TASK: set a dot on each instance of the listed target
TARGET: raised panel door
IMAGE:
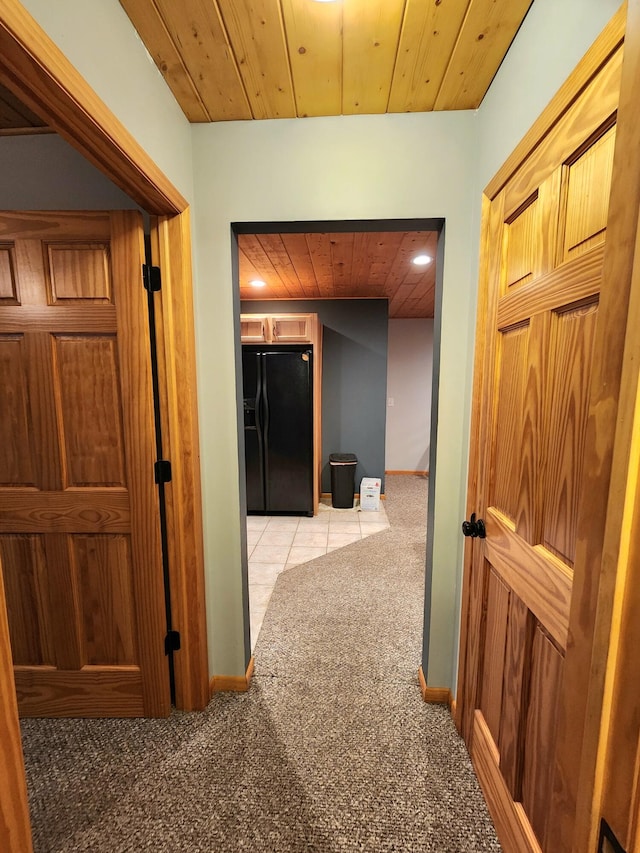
(544, 251)
(79, 523)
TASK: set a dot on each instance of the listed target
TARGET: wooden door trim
(127, 252)
(37, 71)
(171, 250)
(34, 68)
(15, 829)
(608, 488)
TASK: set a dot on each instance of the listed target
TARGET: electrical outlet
(391, 402)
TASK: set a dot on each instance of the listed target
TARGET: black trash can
(343, 479)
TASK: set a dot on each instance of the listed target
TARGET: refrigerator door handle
(264, 416)
(259, 418)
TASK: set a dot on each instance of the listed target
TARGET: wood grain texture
(139, 432)
(485, 35)
(74, 319)
(523, 244)
(368, 56)
(89, 410)
(289, 328)
(90, 592)
(539, 578)
(515, 698)
(618, 769)
(105, 589)
(600, 51)
(570, 284)
(508, 419)
(370, 35)
(610, 432)
(177, 374)
(315, 53)
(91, 692)
(33, 68)
(494, 654)
(530, 495)
(15, 830)
(91, 226)
(593, 109)
(588, 183)
(27, 602)
(62, 593)
(569, 380)
(433, 695)
(8, 282)
(257, 34)
(232, 683)
(201, 39)
(71, 511)
(513, 828)
(465, 676)
(78, 272)
(16, 459)
(45, 443)
(357, 265)
(428, 37)
(149, 22)
(534, 574)
(480, 463)
(546, 676)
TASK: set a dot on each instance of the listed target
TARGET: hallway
(331, 749)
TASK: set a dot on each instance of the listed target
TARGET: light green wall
(99, 40)
(358, 167)
(554, 37)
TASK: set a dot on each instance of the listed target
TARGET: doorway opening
(355, 275)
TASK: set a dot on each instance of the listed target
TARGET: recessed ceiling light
(257, 282)
(422, 260)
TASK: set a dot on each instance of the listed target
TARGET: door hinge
(162, 470)
(151, 278)
(172, 642)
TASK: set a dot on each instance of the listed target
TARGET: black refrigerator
(278, 428)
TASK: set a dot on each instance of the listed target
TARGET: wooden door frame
(34, 69)
(595, 643)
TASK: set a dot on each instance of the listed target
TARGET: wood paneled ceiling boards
(360, 265)
(234, 59)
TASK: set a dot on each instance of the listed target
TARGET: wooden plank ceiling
(262, 59)
(360, 265)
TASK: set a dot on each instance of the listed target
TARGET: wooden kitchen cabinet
(253, 329)
(278, 328)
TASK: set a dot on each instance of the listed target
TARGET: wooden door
(79, 528)
(544, 232)
(15, 829)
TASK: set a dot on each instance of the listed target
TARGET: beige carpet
(332, 748)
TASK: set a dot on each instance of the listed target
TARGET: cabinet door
(253, 329)
(290, 328)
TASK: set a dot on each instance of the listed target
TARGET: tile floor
(276, 543)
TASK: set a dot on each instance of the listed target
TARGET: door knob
(474, 528)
